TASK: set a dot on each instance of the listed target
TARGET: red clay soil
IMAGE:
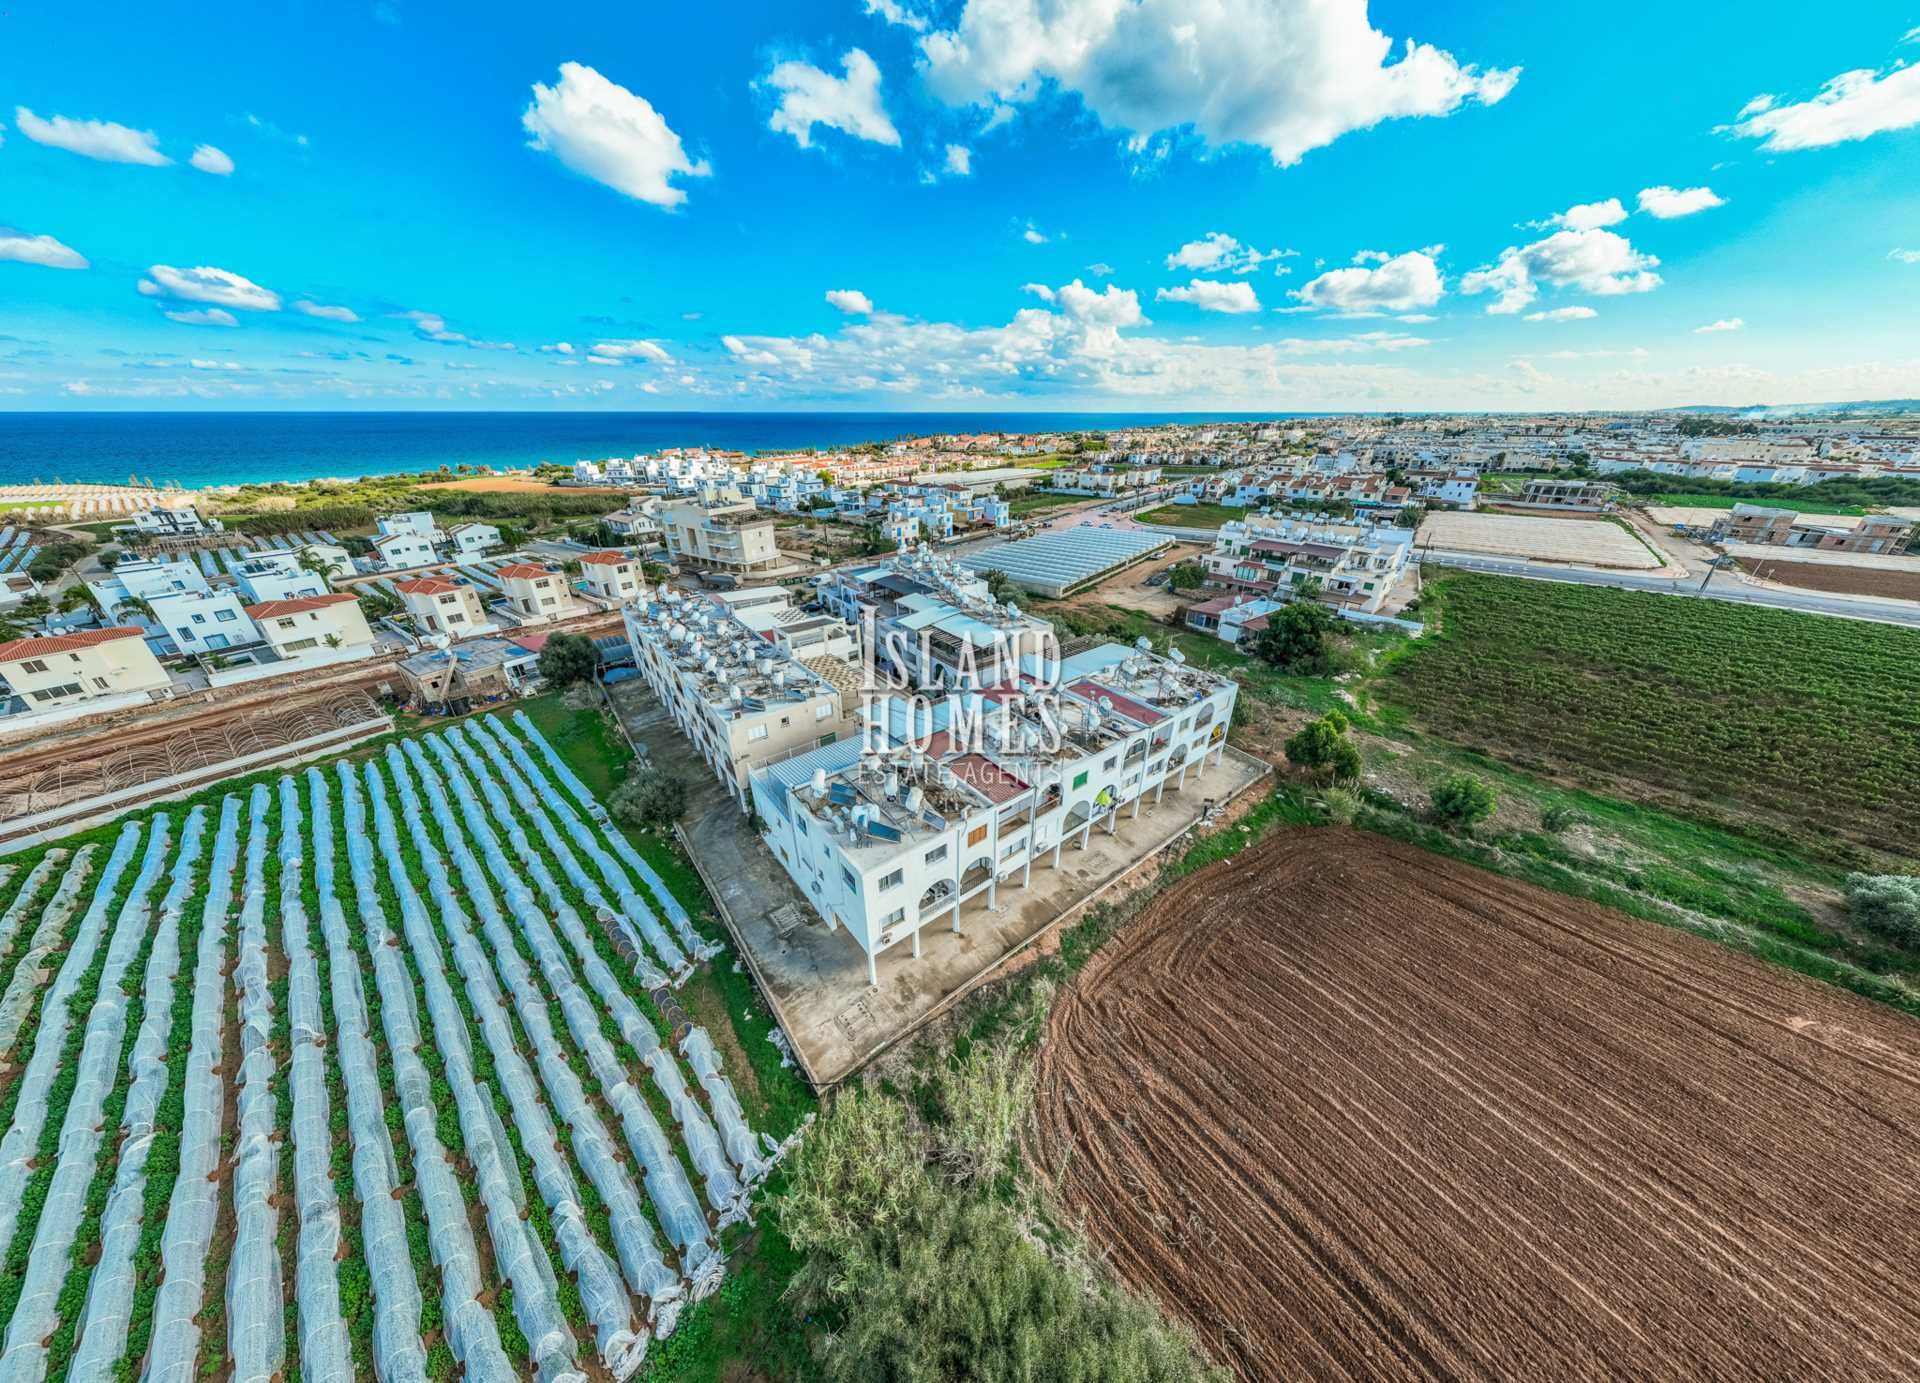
(1840, 580)
(1352, 1110)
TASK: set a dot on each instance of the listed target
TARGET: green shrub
(1887, 905)
(1462, 800)
(650, 798)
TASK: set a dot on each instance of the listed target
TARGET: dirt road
(1353, 1110)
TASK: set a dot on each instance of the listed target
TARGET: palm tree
(138, 606)
(76, 596)
(325, 568)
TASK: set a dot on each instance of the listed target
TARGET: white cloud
(1669, 202)
(44, 250)
(959, 160)
(203, 317)
(1586, 216)
(1905, 256)
(630, 350)
(1287, 75)
(602, 131)
(208, 159)
(559, 348)
(1724, 324)
(850, 104)
(850, 300)
(1213, 295)
(431, 326)
(1850, 106)
(895, 13)
(326, 313)
(1563, 314)
(1100, 269)
(1220, 251)
(100, 139)
(221, 287)
(1592, 261)
(1398, 283)
(1039, 290)
(197, 364)
(1033, 235)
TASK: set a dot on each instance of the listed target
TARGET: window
(55, 693)
(976, 835)
(823, 710)
(298, 645)
(226, 616)
(893, 880)
(893, 919)
(286, 624)
(1080, 780)
(757, 732)
(852, 882)
(33, 665)
(1108, 763)
(100, 683)
(199, 619)
(935, 855)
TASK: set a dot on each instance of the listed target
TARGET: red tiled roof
(986, 777)
(65, 643)
(1126, 705)
(533, 643)
(425, 585)
(268, 609)
(524, 571)
(605, 558)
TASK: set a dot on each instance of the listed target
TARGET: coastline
(211, 450)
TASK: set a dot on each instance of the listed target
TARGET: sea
(198, 450)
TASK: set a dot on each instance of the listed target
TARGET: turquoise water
(201, 449)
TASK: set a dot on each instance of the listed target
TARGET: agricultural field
(391, 1065)
(1531, 537)
(1840, 578)
(1812, 722)
(1194, 515)
(1353, 1110)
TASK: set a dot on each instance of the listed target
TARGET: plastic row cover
(518, 1256)
(477, 751)
(398, 1356)
(31, 974)
(30, 1110)
(646, 1270)
(256, 1326)
(675, 910)
(175, 1343)
(724, 1192)
(98, 1070)
(709, 1149)
(667, 1187)
(470, 1329)
(23, 897)
(602, 1294)
(529, 786)
(325, 1351)
(109, 1306)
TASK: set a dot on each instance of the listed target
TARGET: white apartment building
(467, 541)
(729, 534)
(1356, 565)
(65, 669)
(535, 593)
(1458, 489)
(277, 576)
(933, 622)
(737, 699)
(415, 521)
(612, 576)
(439, 606)
(899, 832)
(145, 580)
(181, 519)
(637, 522)
(203, 622)
(314, 626)
(403, 550)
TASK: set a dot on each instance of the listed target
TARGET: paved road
(1724, 586)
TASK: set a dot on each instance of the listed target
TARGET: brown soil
(1352, 1110)
(1838, 579)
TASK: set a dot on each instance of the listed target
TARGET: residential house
(439, 606)
(68, 669)
(315, 626)
(727, 534)
(612, 576)
(468, 541)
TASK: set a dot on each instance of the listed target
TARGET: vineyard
(376, 1068)
(1813, 720)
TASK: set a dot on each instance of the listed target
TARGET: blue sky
(1137, 204)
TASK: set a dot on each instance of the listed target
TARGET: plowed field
(1353, 1110)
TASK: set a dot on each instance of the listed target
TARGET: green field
(1193, 515)
(1030, 502)
(1811, 723)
